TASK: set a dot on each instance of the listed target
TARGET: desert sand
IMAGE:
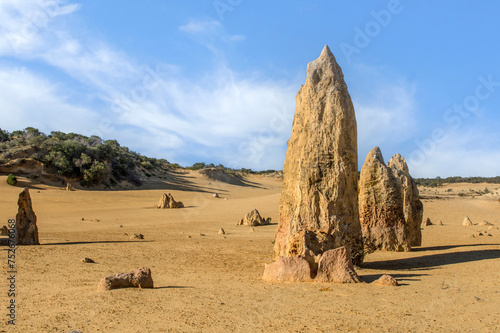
(212, 283)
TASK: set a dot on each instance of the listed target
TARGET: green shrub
(11, 180)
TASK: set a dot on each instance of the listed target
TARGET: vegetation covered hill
(89, 160)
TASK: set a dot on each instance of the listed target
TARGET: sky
(215, 81)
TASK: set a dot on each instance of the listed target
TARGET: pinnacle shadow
(434, 260)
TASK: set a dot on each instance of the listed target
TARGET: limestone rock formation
(336, 266)
(389, 206)
(221, 231)
(288, 269)
(428, 222)
(140, 278)
(167, 201)
(254, 219)
(412, 206)
(386, 280)
(467, 222)
(319, 200)
(27, 230)
(381, 206)
(4, 231)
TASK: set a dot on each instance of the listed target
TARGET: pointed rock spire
(319, 200)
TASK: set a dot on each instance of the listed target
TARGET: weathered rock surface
(4, 231)
(428, 222)
(87, 260)
(336, 266)
(221, 231)
(319, 200)
(381, 206)
(288, 269)
(167, 201)
(69, 188)
(27, 230)
(467, 222)
(386, 280)
(140, 278)
(254, 219)
(413, 208)
(485, 223)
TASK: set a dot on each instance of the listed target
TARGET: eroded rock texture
(389, 208)
(319, 200)
(27, 230)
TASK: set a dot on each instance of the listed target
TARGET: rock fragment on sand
(386, 280)
(140, 278)
(69, 188)
(87, 260)
(319, 201)
(167, 202)
(4, 231)
(428, 222)
(254, 219)
(485, 223)
(137, 236)
(288, 269)
(336, 266)
(216, 195)
(467, 222)
(221, 231)
(27, 230)
(440, 222)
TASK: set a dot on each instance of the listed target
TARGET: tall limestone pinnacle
(319, 200)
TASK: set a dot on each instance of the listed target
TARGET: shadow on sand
(433, 260)
(96, 242)
(400, 277)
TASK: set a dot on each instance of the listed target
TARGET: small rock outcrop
(27, 230)
(486, 223)
(254, 219)
(221, 231)
(319, 200)
(336, 266)
(167, 201)
(428, 222)
(69, 188)
(389, 207)
(137, 236)
(215, 195)
(140, 278)
(288, 269)
(386, 280)
(87, 260)
(467, 222)
(4, 231)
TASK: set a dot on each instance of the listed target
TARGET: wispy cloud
(219, 116)
(385, 107)
(30, 100)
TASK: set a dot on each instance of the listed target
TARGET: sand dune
(210, 282)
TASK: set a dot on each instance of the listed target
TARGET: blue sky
(216, 81)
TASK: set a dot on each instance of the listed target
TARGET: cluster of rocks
(167, 201)
(254, 219)
(319, 231)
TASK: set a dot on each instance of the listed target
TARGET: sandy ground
(211, 283)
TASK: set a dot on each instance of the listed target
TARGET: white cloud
(29, 100)
(386, 109)
(201, 27)
(460, 152)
